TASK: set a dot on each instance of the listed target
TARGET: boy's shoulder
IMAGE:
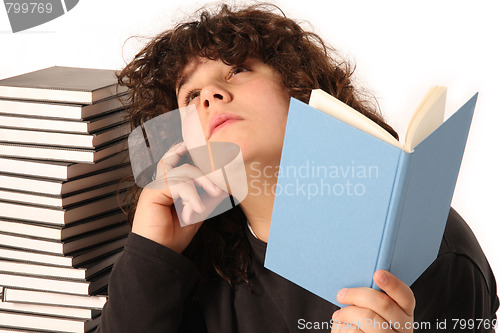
(459, 284)
(459, 240)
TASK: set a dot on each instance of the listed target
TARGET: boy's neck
(258, 206)
(259, 212)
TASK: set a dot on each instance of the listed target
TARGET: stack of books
(63, 161)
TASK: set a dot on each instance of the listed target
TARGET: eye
(238, 69)
(191, 95)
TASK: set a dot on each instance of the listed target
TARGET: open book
(351, 199)
(426, 118)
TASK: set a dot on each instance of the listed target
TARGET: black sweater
(150, 291)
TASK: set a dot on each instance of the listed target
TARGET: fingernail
(180, 148)
(341, 294)
(335, 314)
(186, 217)
(382, 277)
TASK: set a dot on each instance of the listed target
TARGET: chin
(238, 140)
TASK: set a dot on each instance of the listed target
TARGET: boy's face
(244, 104)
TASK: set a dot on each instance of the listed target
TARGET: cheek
(272, 101)
(276, 114)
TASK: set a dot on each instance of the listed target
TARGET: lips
(221, 120)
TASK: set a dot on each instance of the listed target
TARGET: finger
(208, 185)
(376, 306)
(187, 214)
(188, 193)
(210, 203)
(172, 157)
(183, 172)
(169, 160)
(188, 171)
(158, 183)
(396, 290)
(364, 319)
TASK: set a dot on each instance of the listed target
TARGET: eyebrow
(185, 78)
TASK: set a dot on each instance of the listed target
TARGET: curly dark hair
(232, 35)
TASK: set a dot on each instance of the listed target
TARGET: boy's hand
(370, 310)
(156, 217)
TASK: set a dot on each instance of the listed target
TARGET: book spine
(394, 210)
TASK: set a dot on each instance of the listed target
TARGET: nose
(213, 94)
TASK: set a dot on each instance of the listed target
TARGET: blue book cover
(348, 204)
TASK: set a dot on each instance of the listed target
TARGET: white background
(400, 49)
